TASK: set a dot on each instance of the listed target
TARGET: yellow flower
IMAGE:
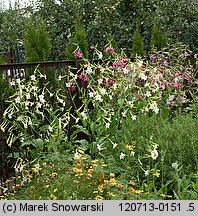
(95, 161)
(89, 175)
(76, 157)
(81, 151)
(162, 195)
(156, 173)
(13, 187)
(44, 165)
(55, 190)
(75, 169)
(130, 147)
(98, 197)
(111, 194)
(47, 186)
(84, 158)
(102, 175)
(138, 191)
(53, 197)
(112, 175)
(169, 196)
(54, 174)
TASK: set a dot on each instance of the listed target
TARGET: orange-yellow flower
(120, 186)
(106, 181)
(100, 188)
(95, 165)
(112, 181)
(90, 170)
(131, 189)
(112, 175)
(132, 183)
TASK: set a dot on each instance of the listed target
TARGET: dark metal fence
(9, 71)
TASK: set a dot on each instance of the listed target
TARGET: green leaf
(82, 129)
(195, 186)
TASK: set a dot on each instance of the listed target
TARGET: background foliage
(100, 20)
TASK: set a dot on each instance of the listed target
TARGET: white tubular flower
(12, 83)
(103, 91)
(91, 94)
(154, 154)
(122, 155)
(33, 77)
(146, 173)
(107, 125)
(84, 116)
(17, 100)
(99, 147)
(50, 128)
(98, 97)
(148, 94)
(41, 98)
(28, 96)
(59, 77)
(115, 145)
(133, 117)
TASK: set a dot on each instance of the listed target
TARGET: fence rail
(9, 71)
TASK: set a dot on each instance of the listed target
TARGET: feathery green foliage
(137, 47)
(158, 40)
(37, 42)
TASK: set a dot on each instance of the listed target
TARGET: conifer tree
(137, 46)
(158, 40)
(37, 42)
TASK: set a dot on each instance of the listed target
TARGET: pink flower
(77, 54)
(73, 88)
(109, 50)
(120, 63)
(83, 77)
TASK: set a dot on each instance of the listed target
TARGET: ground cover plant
(133, 135)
